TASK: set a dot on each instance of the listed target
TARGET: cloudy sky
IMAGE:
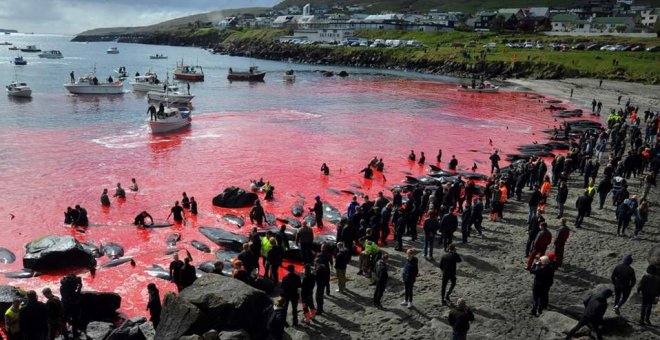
(74, 16)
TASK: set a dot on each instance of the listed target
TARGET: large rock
(235, 197)
(98, 330)
(211, 335)
(230, 303)
(180, 317)
(7, 296)
(148, 331)
(234, 335)
(191, 337)
(129, 330)
(99, 306)
(560, 323)
(56, 252)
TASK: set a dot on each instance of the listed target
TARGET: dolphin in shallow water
(159, 272)
(224, 238)
(6, 256)
(117, 262)
(297, 210)
(91, 248)
(200, 246)
(292, 222)
(233, 219)
(173, 239)
(331, 213)
(270, 219)
(112, 250)
(23, 274)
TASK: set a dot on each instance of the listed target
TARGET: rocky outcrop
(99, 306)
(235, 197)
(56, 252)
(98, 330)
(133, 329)
(180, 317)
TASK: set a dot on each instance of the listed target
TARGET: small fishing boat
(6, 43)
(252, 74)
(30, 49)
(150, 82)
(89, 84)
(20, 61)
(484, 87)
(158, 56)
(13, 48)
(112, 50)
(289, 75)
(52, 54)
(173, 118)
(172, 96)
(16, 89)
(189, 73)
(121, 73)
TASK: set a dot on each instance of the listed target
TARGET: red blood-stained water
(46, 170)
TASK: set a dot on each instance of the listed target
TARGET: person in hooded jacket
(459, 319)
(624, 213)
(544, 272)
(582, 204)
(277, 321)
(649, 287)
(409, 276)
(623, 278)
(594, 310)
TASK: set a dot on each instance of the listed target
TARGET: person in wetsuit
(177, 213)
(368, 173)
(161, 110)
(152, 112)
(141, 217)
(134, 186)
(120, 192)
(82, 217)
(325, 169)
(318, 211)
(105, 200)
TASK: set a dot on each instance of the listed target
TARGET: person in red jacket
(540, 245)
(560, 242)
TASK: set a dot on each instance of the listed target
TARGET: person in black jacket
(544, 273)
(623, 278)
(534, 201)
(409, 275)
(649, 287)
(70, 288)
(274, 260)
(277, 320)
(431, 226)
(381, 280)
(448, 226)
(153, 306)
(466, 222)
(291, 283)
(400, 223)
(307, 292)
(594, 309)
(477, 215)
(459, 319)
(318, 211)
(562, 196)
(188, 273)
(33, 319)
(448, 266)
(583, 203)
(257, 214)
(322, 281)
(342, 259)
(55, 308)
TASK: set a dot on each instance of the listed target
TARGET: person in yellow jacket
(12, 316)
(265, 248)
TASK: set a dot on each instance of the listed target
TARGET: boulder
(191, 337)
(230, 303)
(211, 335)
(129, 330)
(98, 330)
(235, 197)
(180, 317)
(654, 255)
(296, 334)
(56, 252)
(148, 331)
(7, 296)
(234, 335)
(560, 323)
(99, 306)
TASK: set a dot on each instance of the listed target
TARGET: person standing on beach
(593, 105)
(291, 283)
(534, 201)
(603, 189)
(381, 280)
(448, 264)
(544, 272)
(342, 259)
(649, 287)
(409, 276)
(431, 226)
(305, 240)
(560, 242)
(322, 282)
(623, 278)
(582, 205)
(154, 306)
(540, 245)
(307, 293)
(459, 319)
(33, 320)
(594, 310)
(448, 226)
(571, 93)
(175, 271)
(494, 162)
(562, 197)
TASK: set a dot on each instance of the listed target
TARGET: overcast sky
(75, 16)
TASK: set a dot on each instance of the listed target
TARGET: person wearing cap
(544, 272)
(448, 264)
(649, 287)
(623, 278)
(318, 211)
(594, 310)
(459, 319)
(291, 284)
(560, 242)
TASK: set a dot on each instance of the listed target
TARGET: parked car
(579, 47)
(653, 49)
(637, 48)
(528, 44)
(539, 46)
(593, 47)
(490, 45)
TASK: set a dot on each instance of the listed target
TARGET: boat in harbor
(253, 74)
(150, 82)
(158, 56)
(20, 61)
(6, 43)
(172, 96)
(484, 87)
(112, 50)
(30, 49)
(121, 73)
(189, 73)
(89, 84)
(173, 118)
(289, 75)
(52, 54)
(18, 89)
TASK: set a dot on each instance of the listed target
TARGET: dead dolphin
(357, 186)
(158, 225)
(23, 274)
(226, 255)
(270, 219)
(334, 191)
(352, 192)
(200, 246)
(171, 251)
(475, 176)
(91, 248)
(112, 250)
(207, 266)
(159, 272)
(173, 239)
(233, 219)
(310, 220)
(297, 210)
(292, 222)
(224, 238)
(330, 213)
(116, 262)
(6, 256)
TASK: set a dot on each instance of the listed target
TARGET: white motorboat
(173, 118)
(112, 50)
(484, 87)
(172, 96)
(121, 73)
(89, 84)
(16, 89)
(31, 49)
(158, 56)
(52, 54)
(150, 82)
